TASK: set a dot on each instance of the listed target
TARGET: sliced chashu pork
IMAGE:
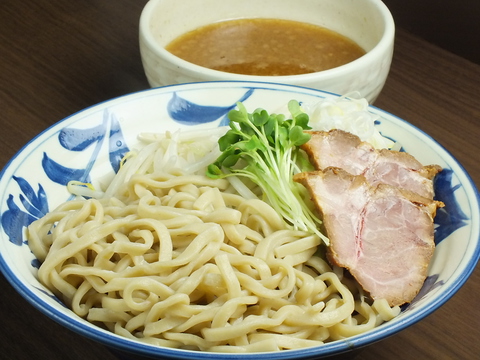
(337, 148)
(381, 233)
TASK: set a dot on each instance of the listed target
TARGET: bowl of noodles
(111, 227)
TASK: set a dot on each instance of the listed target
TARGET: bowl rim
(385, 42)
(115, 341)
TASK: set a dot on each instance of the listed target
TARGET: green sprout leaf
(268, 145)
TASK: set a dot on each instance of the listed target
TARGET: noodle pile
(173, 258)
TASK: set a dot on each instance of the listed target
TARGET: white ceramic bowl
(37, 175)
(368, 22)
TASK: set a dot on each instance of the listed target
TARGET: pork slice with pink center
(381, 233)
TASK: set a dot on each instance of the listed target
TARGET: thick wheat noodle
(180, 260)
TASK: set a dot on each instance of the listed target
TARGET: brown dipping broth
(265, 47)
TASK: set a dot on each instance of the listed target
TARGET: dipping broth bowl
(369, 23)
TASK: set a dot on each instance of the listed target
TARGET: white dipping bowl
(103, 130)
(368, 22)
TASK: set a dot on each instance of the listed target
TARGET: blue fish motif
(431, 283)
(14, 220)
(80, 139)
(53, 297)
(117, 144)
(189, 113)
(36, 263)
(35, 205)
(451, 217)
(61, 174)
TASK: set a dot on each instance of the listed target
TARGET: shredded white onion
(349, 114)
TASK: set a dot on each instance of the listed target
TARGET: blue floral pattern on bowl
(34, 204)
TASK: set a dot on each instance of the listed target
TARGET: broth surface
(266, 47)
